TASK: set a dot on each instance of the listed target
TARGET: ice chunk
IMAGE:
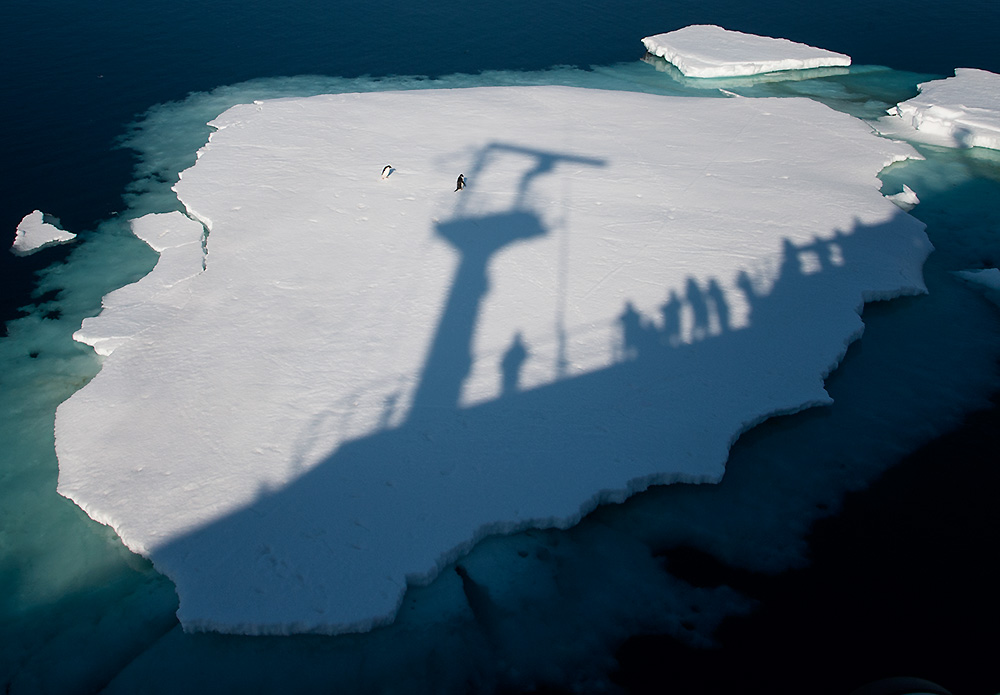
(905, 199)
(959, 111)
(37, 231)
(705, 50)
(370, 374)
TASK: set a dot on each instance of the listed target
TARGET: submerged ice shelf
(705, 50)
(363, 376)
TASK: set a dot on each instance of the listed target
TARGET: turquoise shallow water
(81, 614)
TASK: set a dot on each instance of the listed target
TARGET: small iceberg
(705, 50)
(37, 231)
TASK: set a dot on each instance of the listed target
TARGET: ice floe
(705, 50)
(959, 111)
(333, 384)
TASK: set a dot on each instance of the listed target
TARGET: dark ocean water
(897, 584)
(76, 74)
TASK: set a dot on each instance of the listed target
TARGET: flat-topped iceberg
(351, 379)
(959, 111)
(705, 50)
(37, 231)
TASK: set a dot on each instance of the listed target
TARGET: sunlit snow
(342, 381)
(959, 111)
(133, 308)
(705, 50)
(37, 231)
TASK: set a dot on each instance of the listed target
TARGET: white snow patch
(370, 375)
(959, 111)
(37, 231)
(705, 50)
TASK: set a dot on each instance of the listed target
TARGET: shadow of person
(717, 298)
(699, 309)
(510, 365)
(449, 360)
(632, 330)
(671, 312)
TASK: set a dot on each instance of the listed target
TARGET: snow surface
(705, 50)
(357, 378)
(959, 111)
(35, 232)
(130, 310)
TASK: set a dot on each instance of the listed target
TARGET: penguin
(386, 171)
(461, 182)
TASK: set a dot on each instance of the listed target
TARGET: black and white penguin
(386, 171)
(461, 182)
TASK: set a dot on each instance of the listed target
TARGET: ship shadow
(335, 550)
